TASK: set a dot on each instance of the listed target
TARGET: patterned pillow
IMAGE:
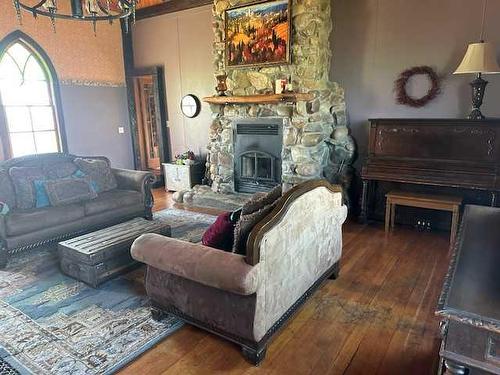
(80, 174)
(99, 171)
(69, 190)
(245, 225)
(22, 178)
(59, 169)
(261, 200)
(4, 209)
(41, 197)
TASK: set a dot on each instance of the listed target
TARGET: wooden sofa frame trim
(258, 232)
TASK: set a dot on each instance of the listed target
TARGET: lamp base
(478, 88)
(476, 115)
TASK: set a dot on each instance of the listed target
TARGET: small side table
(181, 176)
(433, 202)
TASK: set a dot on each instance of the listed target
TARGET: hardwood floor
(376, 318)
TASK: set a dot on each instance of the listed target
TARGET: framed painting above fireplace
(258, 34)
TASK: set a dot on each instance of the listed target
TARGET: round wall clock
(190, 106)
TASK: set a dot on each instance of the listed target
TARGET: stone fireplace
(315, 140)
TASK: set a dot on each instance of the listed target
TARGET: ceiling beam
(170, 6)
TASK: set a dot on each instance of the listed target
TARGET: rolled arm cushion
(211, 267)
(128, 179)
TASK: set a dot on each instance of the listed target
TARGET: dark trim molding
(128, 62)
(44, 59)
(170, 6)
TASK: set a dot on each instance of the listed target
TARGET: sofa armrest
(129, 179)
(207, 266)
(3, 243)
(141, 181)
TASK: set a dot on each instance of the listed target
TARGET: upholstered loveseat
(247, 298)
(24, 228)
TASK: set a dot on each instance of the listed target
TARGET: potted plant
(186, 158)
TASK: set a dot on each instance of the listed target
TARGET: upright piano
(456, 153)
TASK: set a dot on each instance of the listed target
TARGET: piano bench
(434, 202)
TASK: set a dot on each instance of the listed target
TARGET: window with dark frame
(26, 97)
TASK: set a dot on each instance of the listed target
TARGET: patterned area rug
(53, 324)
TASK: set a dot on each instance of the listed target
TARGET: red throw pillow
(220, 235)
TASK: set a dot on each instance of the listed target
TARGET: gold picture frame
(258, 34)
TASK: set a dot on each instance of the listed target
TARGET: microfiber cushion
(220, 234)
(99, 171)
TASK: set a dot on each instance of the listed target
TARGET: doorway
(150, 138)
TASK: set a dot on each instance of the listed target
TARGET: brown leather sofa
(24, 229)
(246, 299)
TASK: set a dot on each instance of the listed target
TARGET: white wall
(182, 43)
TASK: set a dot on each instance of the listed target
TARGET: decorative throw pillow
(220, 234)
(80, 174)
(4, 209)
(261, 200)
(59, 169)
(22, 178)
(99, 171)
(245, 225)
(41, 197)
(69, 190)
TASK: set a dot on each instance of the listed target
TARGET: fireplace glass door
(257, 166)
(257, 151)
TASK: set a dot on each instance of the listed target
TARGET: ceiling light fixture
(81, 10)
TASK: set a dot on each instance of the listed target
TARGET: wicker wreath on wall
(402, 96)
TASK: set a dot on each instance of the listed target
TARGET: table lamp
(479, 59)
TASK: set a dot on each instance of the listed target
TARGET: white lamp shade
(479, 58)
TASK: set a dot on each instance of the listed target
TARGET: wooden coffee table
(104, 254)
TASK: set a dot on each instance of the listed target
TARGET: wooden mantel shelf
(260, 99)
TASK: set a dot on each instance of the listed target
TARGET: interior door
(150, 136)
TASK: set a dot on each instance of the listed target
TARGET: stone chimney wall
(316, 140)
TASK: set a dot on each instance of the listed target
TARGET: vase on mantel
(221, 87)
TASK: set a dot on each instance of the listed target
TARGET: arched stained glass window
(26, 96)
